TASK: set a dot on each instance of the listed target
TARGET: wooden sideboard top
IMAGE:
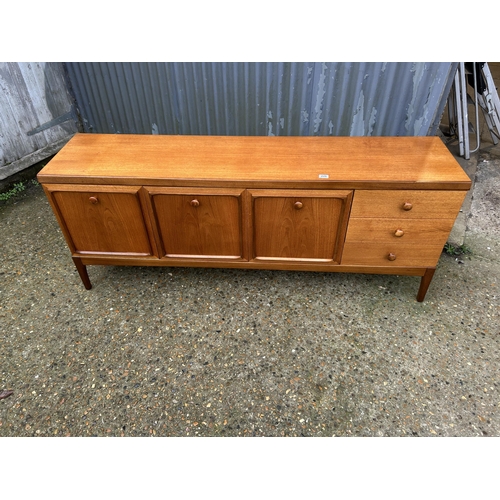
(320, 162)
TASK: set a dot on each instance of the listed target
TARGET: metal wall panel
(37, 114)
(379, 99)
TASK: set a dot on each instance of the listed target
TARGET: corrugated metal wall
(379, 99)
(37, 114)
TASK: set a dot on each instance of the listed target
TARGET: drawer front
(299, 225)
(101, 219)
(399, 231)
(411, 204)
(383, 254)
(198, 223)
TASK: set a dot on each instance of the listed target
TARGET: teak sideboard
(333, 204)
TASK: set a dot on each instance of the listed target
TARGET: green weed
(456, 250)
(19, 187)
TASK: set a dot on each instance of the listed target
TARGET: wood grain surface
(328, 161)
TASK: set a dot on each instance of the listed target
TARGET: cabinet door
(299, 225)
(198, 223)
(101, 219)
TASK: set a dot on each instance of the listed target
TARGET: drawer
(400, 231)
(379, 254)
(412, 204)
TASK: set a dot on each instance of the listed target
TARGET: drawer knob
(195, 203)
(298, 205)
(399, 233)
(391, 256)
(407, 206)
(93, 200)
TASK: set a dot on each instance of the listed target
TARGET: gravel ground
(210, 352)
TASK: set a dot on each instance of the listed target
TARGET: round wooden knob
(407, 206)
(195, 203)
(399, 233)
(391, 256)
(93, 200)
(298, 205)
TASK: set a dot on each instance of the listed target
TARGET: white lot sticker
(323, 176)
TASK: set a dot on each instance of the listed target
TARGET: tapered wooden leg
(424, 283)
(82, 271)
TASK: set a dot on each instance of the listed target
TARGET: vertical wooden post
(82, 271)
(424, 283)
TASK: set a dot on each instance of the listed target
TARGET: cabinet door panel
(199, 223)
(102, 219)
(299, 225)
